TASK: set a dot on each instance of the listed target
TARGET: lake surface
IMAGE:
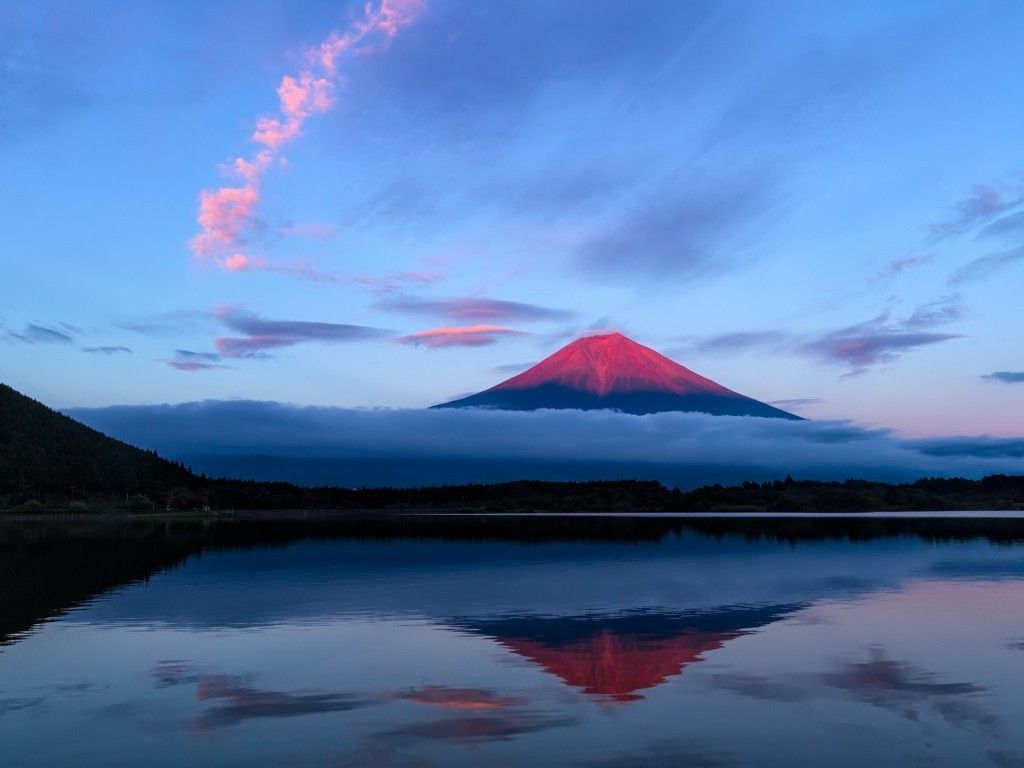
(527, 642)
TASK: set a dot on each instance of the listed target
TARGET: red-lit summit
(613, 372)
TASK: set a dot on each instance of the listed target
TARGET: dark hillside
(44, 451)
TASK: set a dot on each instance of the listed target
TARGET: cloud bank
(319, 445)
(1006, 377)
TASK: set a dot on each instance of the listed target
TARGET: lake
(556, 641)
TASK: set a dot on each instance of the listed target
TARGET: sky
(819, 205)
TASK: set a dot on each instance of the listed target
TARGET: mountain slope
(41, 449)
(612, 371)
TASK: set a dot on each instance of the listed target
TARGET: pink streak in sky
(228, 214)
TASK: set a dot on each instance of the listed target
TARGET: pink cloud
(226, 214)
(459, 336)
(240, 263)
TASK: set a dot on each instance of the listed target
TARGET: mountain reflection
(525, 644)
(617, 657)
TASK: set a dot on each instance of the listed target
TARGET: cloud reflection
(458, 698)
(236, 702)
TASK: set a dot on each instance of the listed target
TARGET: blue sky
(814, 203)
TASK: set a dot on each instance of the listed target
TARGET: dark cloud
(473, 309)
(690, 232)
(976, 447)
(458, 444)
(260, 334)
(107, 350)
(1006, 377)
(986, 266)
(39, 334)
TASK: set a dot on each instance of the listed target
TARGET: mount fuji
(614, 372)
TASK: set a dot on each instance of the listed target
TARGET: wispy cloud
(739, 341)
(986, 266)
(473, 309)
(509, 369)
(228, 215)
(191, 362)
(883, 340)
(107, 350)
(901, 264)
(679, 233)
(167, 323)
(310, 229)
(458, 336)
(944, 310)
(392, 282)
(259, 334)
(862, 346)
(40, 334)
(879, 340)
(795, 402)
(985, 202)
(1006, 377)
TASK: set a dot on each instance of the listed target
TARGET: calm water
(512, 643)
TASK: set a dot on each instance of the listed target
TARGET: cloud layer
(1007, 377)
(384, 446)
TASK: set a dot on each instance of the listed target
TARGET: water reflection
(661, 644)
(619, 656)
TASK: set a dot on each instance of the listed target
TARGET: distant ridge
(614, 372)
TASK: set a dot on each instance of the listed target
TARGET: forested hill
(42, 450)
